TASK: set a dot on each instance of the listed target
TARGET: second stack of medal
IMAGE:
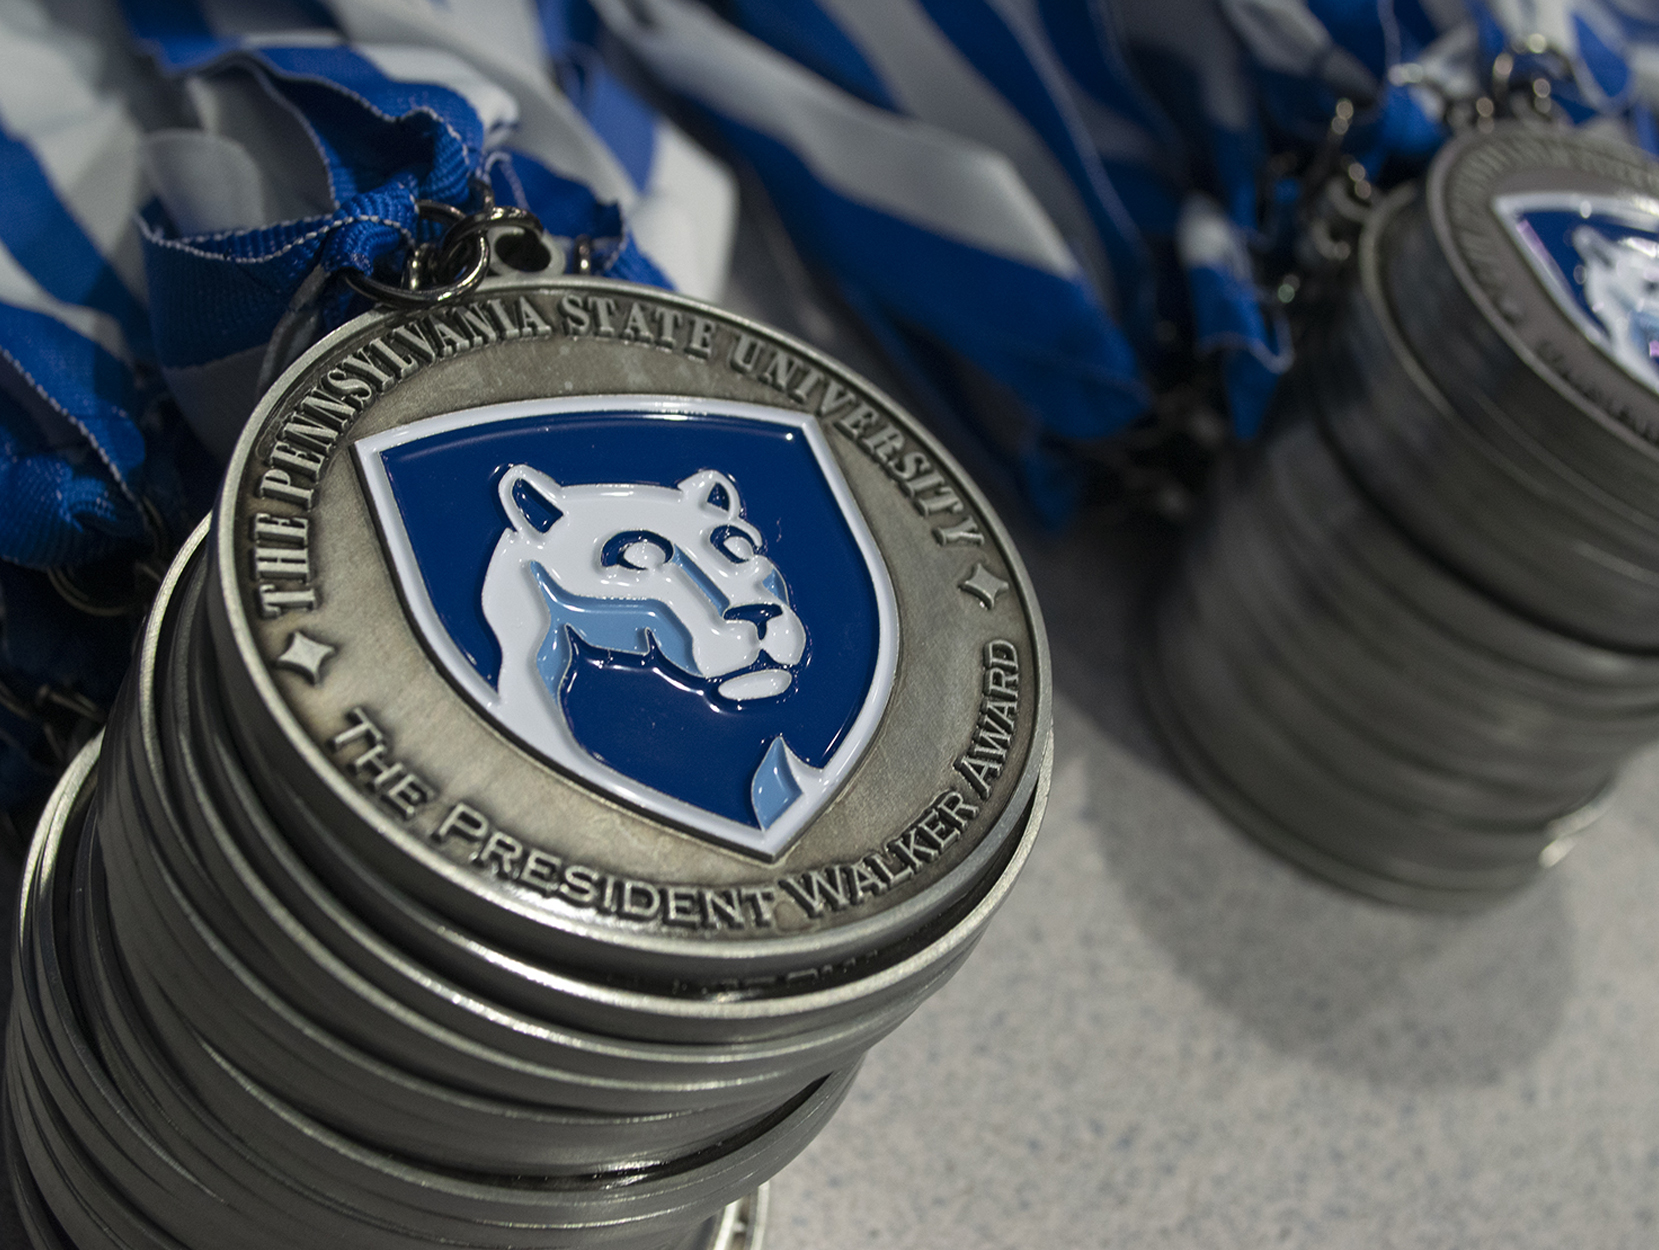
(1418, 631)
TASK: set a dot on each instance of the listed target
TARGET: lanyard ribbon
(1046, 211)
(174, 174)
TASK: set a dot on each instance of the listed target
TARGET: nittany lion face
(1621, 286)
(675, 602)
(628, 566)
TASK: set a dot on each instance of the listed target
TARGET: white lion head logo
(696, 627)
(628, 568)
(1621, 286)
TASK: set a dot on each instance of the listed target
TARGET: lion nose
(756, 614)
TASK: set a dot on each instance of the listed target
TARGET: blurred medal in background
(1414, 639)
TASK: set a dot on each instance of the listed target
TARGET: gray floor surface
(1170, 1038)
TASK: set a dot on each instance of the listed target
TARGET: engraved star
(984, 585)
(305, 655)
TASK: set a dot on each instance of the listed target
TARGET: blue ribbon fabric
(91, 448)
(1058, 204)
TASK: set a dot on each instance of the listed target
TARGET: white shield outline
(768, 843)
(1638, 213)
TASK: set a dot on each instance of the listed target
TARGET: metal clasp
(147, 572)
(444, 270)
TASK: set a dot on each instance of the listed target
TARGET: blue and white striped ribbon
(1058, 203)
(397, 102)
(983, 243)
(1075, 179)
(173, 174)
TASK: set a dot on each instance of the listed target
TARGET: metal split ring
(435, 273)
(147, 572)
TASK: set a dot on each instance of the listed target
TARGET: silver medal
(679, 674)
(1411, 643)
(590, 723)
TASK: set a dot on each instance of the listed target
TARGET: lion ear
(532, 500)
(712, 489)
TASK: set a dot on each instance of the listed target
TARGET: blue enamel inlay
(702, 581)
(627, 685)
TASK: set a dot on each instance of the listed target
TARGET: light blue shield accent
(774, 787)
(628, 625)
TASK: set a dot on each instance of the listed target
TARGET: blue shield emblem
(1599, 257)
(675, 600)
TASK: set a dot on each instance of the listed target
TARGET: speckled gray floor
(1171, 1039)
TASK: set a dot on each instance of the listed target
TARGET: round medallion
(637, 634)
(589, 723)
(1487, 402)
(1555, 240)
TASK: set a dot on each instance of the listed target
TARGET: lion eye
(643, 555)
(737, 548)
(734, 544)
(640, 550)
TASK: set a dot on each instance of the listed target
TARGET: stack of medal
(1419, 631)
(524, 812)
